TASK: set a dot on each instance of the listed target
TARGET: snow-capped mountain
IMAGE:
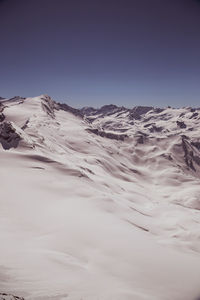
(99, 203)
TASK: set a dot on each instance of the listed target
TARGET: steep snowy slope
(99, 204)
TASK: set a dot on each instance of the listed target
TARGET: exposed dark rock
(188, 154)
(90, 119)
(196, 159)
(167, 156)
(4, 296)
(25, 125)
(191, 155)
(194, 115)
(181, 124)
(134, 114)
(9, 138)
(1, 107)
(109, 135)
(120, 113)
(131, 123)
(105, 110)
(86, 111)
(121, 129)
(2, 117)
(70, 109)
(17, 98)
(165, 117)
(48, 105)
(148, 125)
(185, 137)
(135, 171)
(142, 133)
(138, 111)
(155, 129)
(196, 144)
(148, 119)
(158, 110)
(141, 137)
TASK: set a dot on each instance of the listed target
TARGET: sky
(96, 52)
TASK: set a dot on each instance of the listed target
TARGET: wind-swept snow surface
(99, 204)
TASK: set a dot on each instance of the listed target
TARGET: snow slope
(99, 204)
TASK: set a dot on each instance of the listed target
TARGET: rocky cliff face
(9, 137)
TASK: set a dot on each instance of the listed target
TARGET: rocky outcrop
(16, 98)
(2, 117)
(141, 137)
(9, 137)
(181, 124)
(48, 105)
(154, 128)
(87, 110)
(196, 144)
(191, 155)
(109, 135)
(137, 112)
(105, 110)
(194, 115)
(110, 109)
(70, 109)
(4, 296)
(1, 107)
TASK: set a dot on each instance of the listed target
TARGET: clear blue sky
(126, 52)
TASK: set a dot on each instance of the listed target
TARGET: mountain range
(99, 204)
